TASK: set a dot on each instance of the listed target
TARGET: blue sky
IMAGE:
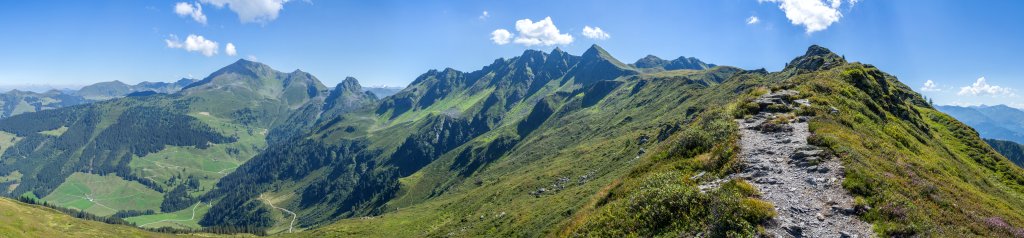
(383, 42)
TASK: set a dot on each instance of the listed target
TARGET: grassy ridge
(919, 171)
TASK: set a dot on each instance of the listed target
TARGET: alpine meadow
(760, 131)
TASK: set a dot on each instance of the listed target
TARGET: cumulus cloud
(230, 49)
(194, 43)
(501, 36)
(259, 11)
(753, 20)
(930, 86)
(814, 15)
(542, 32)
(484, 15)
(981, 87)
(595, 33)
(195, 11)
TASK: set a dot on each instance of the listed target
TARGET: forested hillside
(1012, 150)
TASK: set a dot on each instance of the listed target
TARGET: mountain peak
(816, 57)
(651, 57)
(650, 61)
(246, 67)
(245, 63)
(595, 51)
(347, 96)
(533, 54)
(350, 83)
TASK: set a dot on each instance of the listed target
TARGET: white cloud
(260, 11)
(252, 58)
(485, 15)
(230, 49)
(930, 86)
(814, 15)
(981, 87)
(501, 36)
(595, 33)
(753, 20)
(187, 9)
(542, 32)
(194, 43)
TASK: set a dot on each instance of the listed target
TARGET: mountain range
(15, 102)
(541, 144)
(994, 122)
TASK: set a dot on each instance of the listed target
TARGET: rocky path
(801, 180)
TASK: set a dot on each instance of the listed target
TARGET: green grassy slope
(21, 220)
(103, 195)
(187, 218)
(921, 171)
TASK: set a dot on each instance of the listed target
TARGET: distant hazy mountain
(115, 89)
(652, 63)
(16, 102)
(382, 91)
(994, 122)
(104, 90)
